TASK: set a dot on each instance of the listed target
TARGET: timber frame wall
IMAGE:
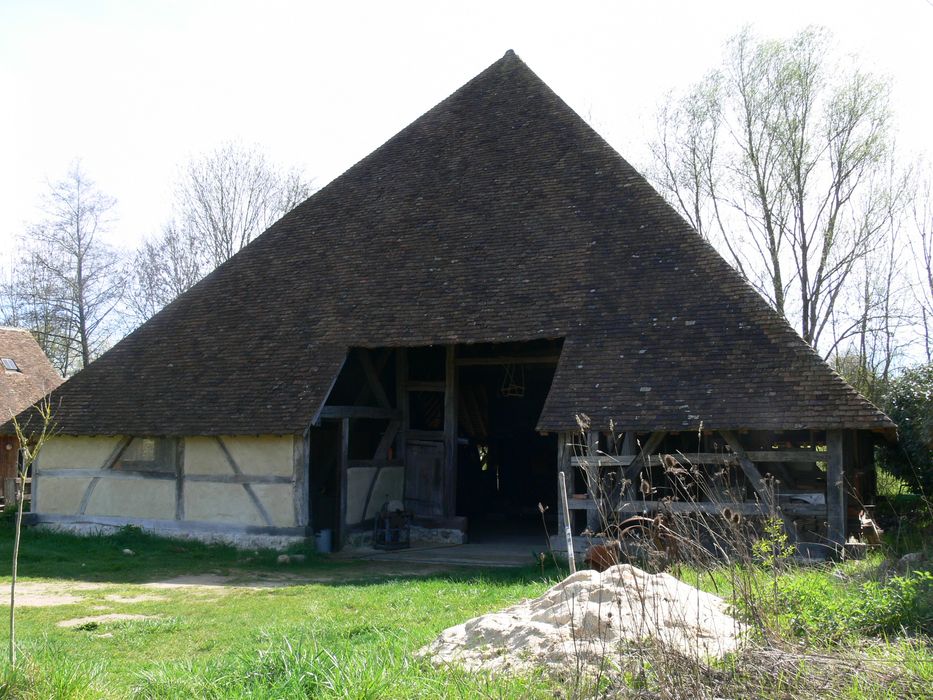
(230, 486)
(845, 454)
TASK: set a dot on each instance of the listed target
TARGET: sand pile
(586, 618)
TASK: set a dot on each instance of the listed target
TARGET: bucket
(322, 541)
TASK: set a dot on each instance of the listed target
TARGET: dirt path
(70, 592)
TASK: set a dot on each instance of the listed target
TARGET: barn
(426, 329)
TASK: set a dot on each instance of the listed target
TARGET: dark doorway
(505, 466)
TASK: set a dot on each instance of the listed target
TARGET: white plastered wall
(237, 480)
(388, 486)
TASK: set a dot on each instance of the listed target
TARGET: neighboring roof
(499, 215)
(33, 378)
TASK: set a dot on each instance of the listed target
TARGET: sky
(134, 89)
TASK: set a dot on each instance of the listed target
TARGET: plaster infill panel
(389, 486)
(279, 502)
(358, 481)
(69, 452)
(255, 455)
(220, 503)
(133, 498)
(59, 496)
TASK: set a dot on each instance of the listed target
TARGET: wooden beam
(388, 437)
(179, 478)
(376, 412)
(835, 489)
(629, 473)
(257, 503)
(593, 482)
(655, 460)
(301, 461)
(507, 360)
(758, 483)
(108, 464)
(450, 432)
(372, 378)
(166, 476)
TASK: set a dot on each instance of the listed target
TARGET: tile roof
(499, 215)
(33, 378)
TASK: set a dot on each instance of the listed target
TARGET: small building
(426, 329)
(26, 375)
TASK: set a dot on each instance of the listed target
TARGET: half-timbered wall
(238, 481)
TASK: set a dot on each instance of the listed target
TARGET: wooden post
(450, 433)
(401, 401)
(593, 482)
(835, 490)
(301, 464)
(565, 509)
(564, 468)
(179, 478)
(343, 466)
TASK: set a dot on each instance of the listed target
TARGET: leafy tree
(909, 402)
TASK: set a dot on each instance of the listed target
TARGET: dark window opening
(151, 454)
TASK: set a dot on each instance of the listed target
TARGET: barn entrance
(505, 468)
(445, 432)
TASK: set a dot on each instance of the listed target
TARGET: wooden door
(424, 478)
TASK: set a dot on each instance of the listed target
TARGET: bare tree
(772, 157)
(68, 281)
(223, 200)
(922, 248)
(163, 268)
(229, 196)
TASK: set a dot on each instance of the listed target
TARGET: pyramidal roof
(499, 215)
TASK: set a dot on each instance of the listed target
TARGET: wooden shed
(425, 330)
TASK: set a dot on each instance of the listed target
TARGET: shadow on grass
(102, 558)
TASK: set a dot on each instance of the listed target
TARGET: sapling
(30, 443)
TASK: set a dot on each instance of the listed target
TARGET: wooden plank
(372, 378)
(376, 412)
(835, 489)
(507, 360)
(602, 461)
(343, 459)
(786, 456)
(450, 432)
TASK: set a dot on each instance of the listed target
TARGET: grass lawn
(321, 628)
(239, 625)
